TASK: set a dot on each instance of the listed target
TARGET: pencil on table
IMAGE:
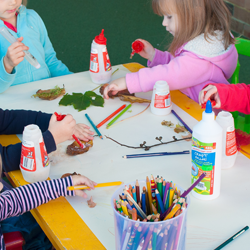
(110, 116)
(184, 124)
(94, 127)
(106, 184)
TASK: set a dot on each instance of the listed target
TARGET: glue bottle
(161, 102)
(100, 67)
(229, 147)
(34, 162)
(207, 155)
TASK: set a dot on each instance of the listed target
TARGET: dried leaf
(50, 94)
(179, 129)
(90, 202)
(111, 95)
(167, 123)
(133, 99)
(189, 136)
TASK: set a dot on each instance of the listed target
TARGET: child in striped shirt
(22, 199)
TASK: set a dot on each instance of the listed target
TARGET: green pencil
(119, 115)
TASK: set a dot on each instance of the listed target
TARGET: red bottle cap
(137, 46)
(101, 39)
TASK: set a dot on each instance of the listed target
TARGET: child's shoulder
(208, 47)
(31, 13)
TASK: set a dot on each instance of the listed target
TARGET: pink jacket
(189, 70)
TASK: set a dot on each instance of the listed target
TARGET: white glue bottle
(34, 162)
(161, 102)
(207, 155)
(100, 67)
(229, 147)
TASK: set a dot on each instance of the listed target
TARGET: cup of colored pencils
(150, 214)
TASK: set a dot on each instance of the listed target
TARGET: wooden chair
(243, 48)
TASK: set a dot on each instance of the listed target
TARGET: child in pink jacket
(202, 50)
(228, 97)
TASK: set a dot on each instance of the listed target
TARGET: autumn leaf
(82, 101)
(179, 129)
(167, 123)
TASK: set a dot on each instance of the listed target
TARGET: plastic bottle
(34, 162)
(100, 67)
(161, 102)
(229, 147)
(207, 155)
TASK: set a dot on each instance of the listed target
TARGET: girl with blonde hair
(202, 50)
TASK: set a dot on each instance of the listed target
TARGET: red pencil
(109, 117)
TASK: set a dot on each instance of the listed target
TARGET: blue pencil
(143, 202)
(94, 127)
(155, 154)
(158, 197)
(184, 124)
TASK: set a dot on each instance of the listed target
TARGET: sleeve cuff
(49, 141)
(6, 77)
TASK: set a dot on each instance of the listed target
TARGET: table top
(71, 224)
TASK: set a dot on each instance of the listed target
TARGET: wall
(240, 10)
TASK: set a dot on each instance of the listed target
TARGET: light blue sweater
(31, 27)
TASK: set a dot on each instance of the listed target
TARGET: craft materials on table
(184, 124)
(155, 154)
(94, 127)
(232, 238)
(59, 118)
(106, 184)
(110, 116)
(118, 116)
(140, 222)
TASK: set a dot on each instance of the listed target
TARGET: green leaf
(82, 101)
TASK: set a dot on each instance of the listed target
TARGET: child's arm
(233, 97)
(22, 199)
(56, 67)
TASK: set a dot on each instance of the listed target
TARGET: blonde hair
(195, 17)
(24, 2)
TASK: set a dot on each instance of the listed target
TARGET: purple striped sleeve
(22, 199)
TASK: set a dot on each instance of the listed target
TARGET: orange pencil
(110, 116)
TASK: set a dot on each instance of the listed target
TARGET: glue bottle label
(28, 157)
(162, 100)
(94, 63)
(106, 61)
(44, 155)
(203, 160)
(231, 147)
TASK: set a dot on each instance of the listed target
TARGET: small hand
(82, 132)
(148, 51)
(82, 180)
(15, 54)
(210, 92)
(115, 86)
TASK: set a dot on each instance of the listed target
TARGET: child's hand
(62, 130)
(82, 180)
(14, 55)
(212, 93)
(148, 51)
(115, 86)
(82, 132)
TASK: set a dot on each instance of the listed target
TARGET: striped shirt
(22, 199)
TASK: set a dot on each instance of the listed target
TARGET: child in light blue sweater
(27, 26)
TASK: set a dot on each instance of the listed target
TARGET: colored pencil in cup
(155, 154)
(184, 124)
(232, 238)
(94, 127)
(110, 116)
(118, 116)
(105, 184)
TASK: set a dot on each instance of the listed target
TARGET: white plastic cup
(229, 146)
(34, 162)
(161, 101)
(176, 233)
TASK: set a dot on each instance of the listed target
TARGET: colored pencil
(94, 127)
(158, 196)
(143, 201)
(118, 116)
(110, 116)
(137, 187)
(232, 238)
(78, 141)
(105, 184)
(155, 154)
(184, 124)
(149, 194)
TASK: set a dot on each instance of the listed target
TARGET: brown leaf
(50, 94)
(75, 149)
(133, 99)
(122, 92)
(189, 136)
(167, 123)
(90, 202)
(179, 129)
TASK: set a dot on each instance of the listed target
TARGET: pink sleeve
(234, 97)
(161, 57)
(181, 72)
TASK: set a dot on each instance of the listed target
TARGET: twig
(130, 116)
(143, 145)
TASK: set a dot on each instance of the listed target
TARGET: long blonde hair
(24, 2)
(195, 17)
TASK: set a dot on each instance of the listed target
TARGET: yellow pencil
(149, 194)
(171, 196)
(106, 184)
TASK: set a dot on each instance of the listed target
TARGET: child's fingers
(81, 193)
